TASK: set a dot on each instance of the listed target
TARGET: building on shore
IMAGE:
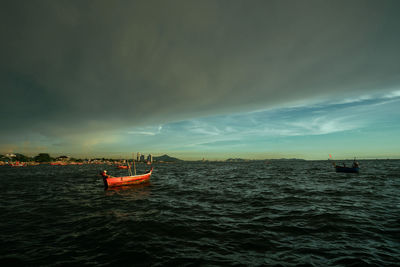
(63, 158)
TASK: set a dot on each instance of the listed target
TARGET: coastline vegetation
(46, 158)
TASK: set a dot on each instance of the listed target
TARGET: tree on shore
(21, 157)
(43, 157)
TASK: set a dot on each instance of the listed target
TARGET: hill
(166, 158)
(236, 160)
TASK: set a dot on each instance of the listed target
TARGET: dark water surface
(280, 213)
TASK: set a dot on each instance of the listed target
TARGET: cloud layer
(73, 67)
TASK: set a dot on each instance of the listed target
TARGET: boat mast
(129, 167)
(134, 166)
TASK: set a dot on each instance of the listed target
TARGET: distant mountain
(255, 160)
(236, 160)
(291, 159)
(166, 158)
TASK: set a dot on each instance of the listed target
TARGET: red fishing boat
(122, 167)
(110, 181)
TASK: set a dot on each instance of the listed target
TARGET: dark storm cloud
(70, 66)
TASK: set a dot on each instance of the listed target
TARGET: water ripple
(281, 213)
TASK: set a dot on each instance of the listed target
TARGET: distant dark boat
(347, 169)
(355, 168)
(110, 181)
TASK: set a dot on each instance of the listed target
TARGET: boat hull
(346, 169)
(126, 180)
(122, 167)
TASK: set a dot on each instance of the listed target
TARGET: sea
(265, 213)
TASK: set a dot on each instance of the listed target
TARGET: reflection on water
(134, 191)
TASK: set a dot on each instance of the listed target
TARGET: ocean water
(252, 214)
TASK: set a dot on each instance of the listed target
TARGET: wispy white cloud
(151, 130)
(325, 125)
(141, 133)
(323, 118)
(393, 94)
(356, 99)
(377, 97)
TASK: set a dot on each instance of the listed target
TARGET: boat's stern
(104, 175)
(105, 182)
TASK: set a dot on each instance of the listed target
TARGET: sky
(201, 79)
